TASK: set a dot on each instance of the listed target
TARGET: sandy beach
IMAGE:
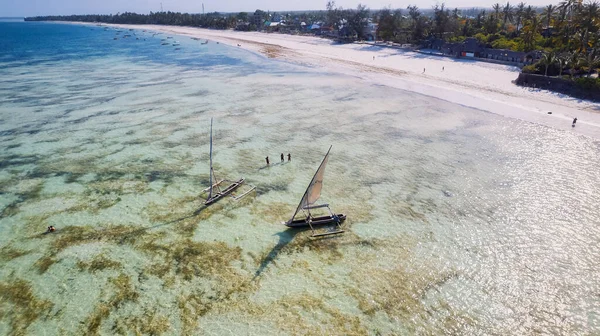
(480, 85)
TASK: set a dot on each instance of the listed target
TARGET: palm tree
(417, 28)
(567, 6)
(413, 12)
(529, 13)
(519, 14)
(561, 17)
(579, 39)
(577, 5)
(572, 61)
(548, 12)
(507, 13)
(592, 61)
(547, 60)
(590, 15)
(530, 32)
(480, 19)
(562, 14)
(595, 41)
(562, 63)
(571, 7)
(497, 8)
(593, 56)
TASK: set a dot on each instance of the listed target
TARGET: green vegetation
(8, 253)
(333, 321)
(77, 235)
(10, 210)
(149, 324)
(570, 26)
(203, 259)
(44, 263)
(98, 263)
(192, 306)
(125, 292)
(18, 303)
(588, 83)
(94, 321)
(178, 260)
(398, 292)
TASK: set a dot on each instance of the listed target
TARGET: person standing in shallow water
(282, 157)
(267, 158)
(289, 157)
(574, 121)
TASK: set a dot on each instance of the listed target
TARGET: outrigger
(308, 203)
(215, 196)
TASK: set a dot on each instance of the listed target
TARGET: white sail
(313, 192)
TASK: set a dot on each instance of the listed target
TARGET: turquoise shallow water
(459, 221)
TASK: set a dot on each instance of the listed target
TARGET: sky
(20, 8)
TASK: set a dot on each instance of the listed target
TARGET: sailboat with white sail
(215, 192)
(309, 202)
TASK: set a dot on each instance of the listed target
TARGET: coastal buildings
(370, 31)
(472, 48)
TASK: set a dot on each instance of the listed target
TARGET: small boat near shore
(308, 203)
(215, 193)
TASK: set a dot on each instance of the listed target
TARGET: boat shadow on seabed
(285, 238)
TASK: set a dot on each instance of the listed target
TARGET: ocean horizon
(459, 221)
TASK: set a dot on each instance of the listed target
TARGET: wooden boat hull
(322, 220)
(225, 192)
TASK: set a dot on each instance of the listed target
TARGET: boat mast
(211, 167)
(300, 206)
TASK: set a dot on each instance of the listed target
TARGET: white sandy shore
(475, 84)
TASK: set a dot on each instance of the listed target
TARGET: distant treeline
(571, 26)
(211, 20)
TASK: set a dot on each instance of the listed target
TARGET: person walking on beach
(373, 58)
(289, 157)
(282, 157)
(267, 158)
(574, 121)
(423, 70)
(442, 68)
